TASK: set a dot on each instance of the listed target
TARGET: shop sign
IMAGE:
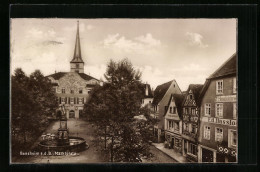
(228, 122)
(229, 98)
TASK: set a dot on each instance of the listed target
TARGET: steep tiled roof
(178, 101)
(229, 67)
(150, 94)
(160, 91)
(196, 89)
(58, 75)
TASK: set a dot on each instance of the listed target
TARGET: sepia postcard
(123, 90)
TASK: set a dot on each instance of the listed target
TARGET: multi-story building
(173, 122)
(73, 88)
(190, 122)
(218, 117)
(162, 94)
(148, 96)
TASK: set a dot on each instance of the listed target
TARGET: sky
(187, 50)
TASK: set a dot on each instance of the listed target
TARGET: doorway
(207, 155)
(72, 114)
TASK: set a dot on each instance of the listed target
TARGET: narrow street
(159, 157)
(83, 129)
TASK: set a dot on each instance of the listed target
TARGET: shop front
(173, 141)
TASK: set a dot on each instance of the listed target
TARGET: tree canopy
(113, 108)
(32, 101)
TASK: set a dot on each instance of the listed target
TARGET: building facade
(218, 119)
(162, 94)
(73, 88)
(148, 96)
(190, 123)
(173, 122)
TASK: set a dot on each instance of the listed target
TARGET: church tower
(77, 64)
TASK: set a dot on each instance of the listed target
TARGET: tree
(32, 100)
(114, 107)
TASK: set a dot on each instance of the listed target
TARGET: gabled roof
(178, 99)
(196, 89)
(150, 94)
(227, 68)
(160, 91)
(58, 75)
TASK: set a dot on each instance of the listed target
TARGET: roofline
(168, 89)
(222, 65)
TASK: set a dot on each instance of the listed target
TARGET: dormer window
(190, 96)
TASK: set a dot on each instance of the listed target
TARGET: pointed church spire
(77, 51)
(77, 64)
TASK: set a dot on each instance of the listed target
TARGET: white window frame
(219, 110)
(219, 90)
(234, 110)
(230, 138)
(206, 133)
(207, 106)
(218, 134)
(235, 85)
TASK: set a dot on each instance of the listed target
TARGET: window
(77, 71)
(80, 91)
(219, 87)
(234, 110)
(170, 109)
(219, 110)
(193, 129)
(71, 100)
(207, 109)
(193, 111)
(63, 99)
(176, 126)
(174, 110)
(170, 124)
(185, 127)
(192, 149)
(186, 110)
(63, 90)
(77, 65)
(232, 138)
(207, 132)
(234, 85)
(190, 96)
(218, 134)
(150, 102)
(72, 91)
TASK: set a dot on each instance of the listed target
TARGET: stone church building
(73, 88)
